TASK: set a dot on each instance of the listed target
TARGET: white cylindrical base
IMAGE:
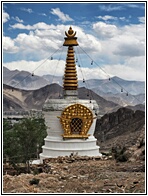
(54, 144)
(81, 147)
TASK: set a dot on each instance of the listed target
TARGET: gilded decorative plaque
(76, 120)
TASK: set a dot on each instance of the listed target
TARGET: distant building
(15, 116)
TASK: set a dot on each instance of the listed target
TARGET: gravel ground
(103, 175)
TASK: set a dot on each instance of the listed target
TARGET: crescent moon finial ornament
(70, 33)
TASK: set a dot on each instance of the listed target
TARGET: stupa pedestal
(55, 144)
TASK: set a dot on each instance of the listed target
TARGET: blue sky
(110, 34)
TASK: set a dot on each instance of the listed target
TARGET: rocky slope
(120, 128)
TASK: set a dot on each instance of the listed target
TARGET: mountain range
(23, 79)
(110, 89)
(17, 99)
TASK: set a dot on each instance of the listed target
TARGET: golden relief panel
(76, 121)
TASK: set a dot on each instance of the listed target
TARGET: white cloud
(122, 18)
(107, 17)
(134, 70)
(142, 19)
(123, 51)
(54, 67)
(17, 19)
(119, 49)
(9, 45)
(121, 6)
(46, 33)
(43, 67)
(105, 30)
(21, 26)
(63, 17)
(40, 25)
(121, 41)
(130, 47)
(40, 42)
(42, 14)
(136, 62)
(89, 43)
(35, 47)
(131, 5)
(44, 39)
(27, 10)
(6, 16)
(110, 7)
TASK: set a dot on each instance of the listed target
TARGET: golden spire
(70, 76)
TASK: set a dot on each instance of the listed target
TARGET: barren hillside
(34, 99)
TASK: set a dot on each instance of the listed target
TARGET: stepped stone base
(54, 144)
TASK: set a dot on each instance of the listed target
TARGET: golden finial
(70, 40)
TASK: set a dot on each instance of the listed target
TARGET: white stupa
(70, 121)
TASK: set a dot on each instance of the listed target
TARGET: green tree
(10, 143)
(22, 140)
